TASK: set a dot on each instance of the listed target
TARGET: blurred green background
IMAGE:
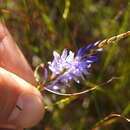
(42, 26)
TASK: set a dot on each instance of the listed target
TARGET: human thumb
(21, 104)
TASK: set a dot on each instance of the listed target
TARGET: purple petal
(64, 54)
(89, 47)
(80, 52)
(98, 50)
(93, 58)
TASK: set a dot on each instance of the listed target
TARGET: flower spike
(114, 38)
(69, 67)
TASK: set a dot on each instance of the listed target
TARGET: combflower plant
(69, 67)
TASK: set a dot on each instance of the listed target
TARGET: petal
(80, 52)
(49, 62)
(56, 87)
(98, 50)
(64, 54)
(86, 72)
(75, 79)
(82, 76)
(70, 57)
(93, 58)
(56, 56)
(89, 61)
(89, 47)
(96, 43)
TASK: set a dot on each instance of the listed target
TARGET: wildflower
(71, 67)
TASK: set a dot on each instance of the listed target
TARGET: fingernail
(28, 110)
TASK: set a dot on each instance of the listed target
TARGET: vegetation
(42, 26)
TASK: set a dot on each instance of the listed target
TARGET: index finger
(11, 58)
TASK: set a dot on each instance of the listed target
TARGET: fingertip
(28, 111)
(22, 104)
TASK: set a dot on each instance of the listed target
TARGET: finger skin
(11, 88)
(11, 58)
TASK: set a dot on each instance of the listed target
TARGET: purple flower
(71, 67)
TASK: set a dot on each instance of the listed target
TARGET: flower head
(71, 67)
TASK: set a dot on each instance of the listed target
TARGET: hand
(21, 104)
